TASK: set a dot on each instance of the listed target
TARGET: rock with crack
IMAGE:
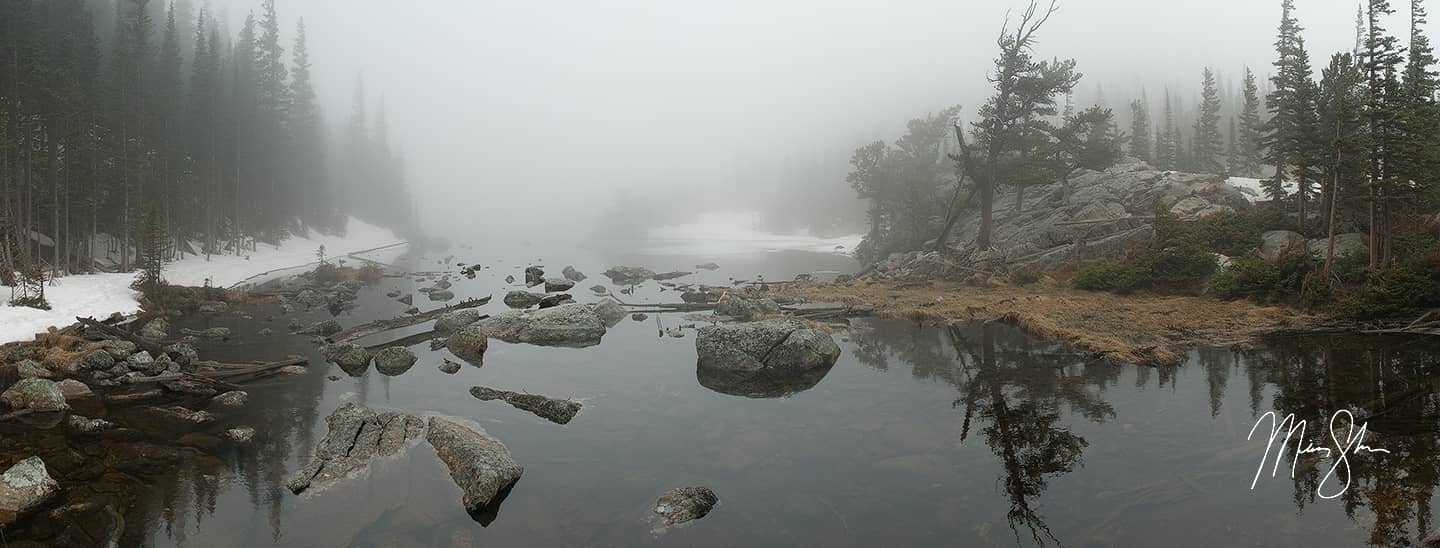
(480, 464)
(551, 409)
(684, 504)
(355, 435)
(769, 358)
(25, 487)
(570, 325)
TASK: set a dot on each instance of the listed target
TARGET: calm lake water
(918, 436)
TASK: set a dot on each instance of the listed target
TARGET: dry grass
(1138, 329)
(57, 352)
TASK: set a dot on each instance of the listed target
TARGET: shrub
(1233, 234)
(328, 273)
(370, 273)
(1178, 269)
(1024, 276)
(1266, 281)
(1393, 292)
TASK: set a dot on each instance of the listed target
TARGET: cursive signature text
(1353, 443)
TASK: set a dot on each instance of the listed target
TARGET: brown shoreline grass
(1142, 329)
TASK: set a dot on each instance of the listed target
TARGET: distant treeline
(113, 109)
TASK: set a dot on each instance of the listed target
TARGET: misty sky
(535, 112)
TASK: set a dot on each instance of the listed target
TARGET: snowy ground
(100, 295)
(731, 232)
(1253, 189)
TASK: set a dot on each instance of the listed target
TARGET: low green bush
(1266, 281)
(1024, 276)
(1178, 269)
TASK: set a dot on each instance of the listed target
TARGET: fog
(529, 117)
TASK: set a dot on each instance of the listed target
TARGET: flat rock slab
(355, 435)
(478, 462)
(551, 409)
(24, 488)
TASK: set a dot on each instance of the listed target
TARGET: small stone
(450, 367)
(88, 425)
(233, 399)
(242, 435)
(292, 370)
(684, 504)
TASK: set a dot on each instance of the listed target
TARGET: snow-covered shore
(100, 295)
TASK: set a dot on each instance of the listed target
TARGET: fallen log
(224, 373)
(410, 340)
(381, 326)
(141, 342)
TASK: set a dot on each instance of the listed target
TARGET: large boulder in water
(351, 357)
(746, 309)
(522, 299)
(354, 436)
(684, 504)
(451, 322)
(573, 325)
(24, 488)
(1276, 243)
(777, 344)
(629, 275)
(480, 464)
(468, 344)
(394, 360)
(40, 395)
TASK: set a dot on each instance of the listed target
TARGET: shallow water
(918, 436)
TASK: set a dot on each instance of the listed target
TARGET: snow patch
(1254, 189)
(100, 295)
(732, 232)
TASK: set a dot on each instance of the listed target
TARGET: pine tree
(1140, 130)
(1166, 148)
(1251, 145)
(1418, 160)
(307, 132)
(1232, 149)
(1208, 142)
(1380, 63)
(1292, 130)
(152, 254)
(1343, 133)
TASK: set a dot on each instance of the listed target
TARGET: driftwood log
(227, 371)
(380, 326)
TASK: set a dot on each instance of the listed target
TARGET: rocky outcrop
(1345, 244)
(469, 344)
(551, 409)
(746, 309)
(629, 275)
(573, 325)
(480, 464)
(394, 360)
(522, 299)
(36, 394)
(767, 358)
(24, 488)
(684, 504)
(355, 435)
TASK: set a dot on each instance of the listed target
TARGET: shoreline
(1139, 329)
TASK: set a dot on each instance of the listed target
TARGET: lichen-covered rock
(40, 395)
(534, 276)
(469, 344)
(572, 325)
(24, 488)
(87, 425)
(351, 357)
(118, 349)
(242, 435)
(451, 322)
(156, 329)
(139, 361)
(233, 399)
(684, 504)
(394, 360)
(97, 360)
(185, 353)
(551, 409)
(32, 369)
(746, 309)
(480, 464)
(522, 299)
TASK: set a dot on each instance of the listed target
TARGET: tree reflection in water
(1017, 388)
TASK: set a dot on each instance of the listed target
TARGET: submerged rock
(552, 301)
(707, 266)
(39, 395)
(629, 275)
(74, 390)
(394, 360)
(324, 328)
(211, 333)
(574, 325)
(179, 414)
(573, 275)
(684, 504)
(551, 409)
(354, 436)
(670, 276)
(442, 295)
(600, 290)
(557, 284)
(480, 464)
(242, 435)
(87, 425)
(469, 344)
(25, 487)
(522, 299)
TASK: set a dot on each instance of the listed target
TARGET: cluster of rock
(308, 292)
